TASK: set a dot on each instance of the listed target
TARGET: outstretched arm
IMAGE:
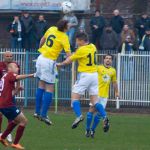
(42, 41)
(65, 62)
(20, 77)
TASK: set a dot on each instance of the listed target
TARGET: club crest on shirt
(106, 78)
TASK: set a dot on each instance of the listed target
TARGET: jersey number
(89, 56)
(50, 41)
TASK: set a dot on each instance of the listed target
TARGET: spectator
(72, 22)
(117, 24)
(127, 32)
(141, 25)
(28, 33)
(97, 24)
(82, 25)
(128, 62)
(109, 36)
(40, 28)
(127, 46)
(16, 30)
(145, 44)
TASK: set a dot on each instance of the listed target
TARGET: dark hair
(144, 13)
(82, 36)
(108, 55)
(62, 25)
(41, 15)
(25, 12)
(97, 10)
(16, 16)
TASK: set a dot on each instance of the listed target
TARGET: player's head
(62, 25)
(8, 57)
(108, 60)
(82, 38)
(116, 12)
(12, 67)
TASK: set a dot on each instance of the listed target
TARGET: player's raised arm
(68, 54)
(65, 62)
(42, 41)
(12, 67)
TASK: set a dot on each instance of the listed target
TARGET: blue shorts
(10, 113)
(14, 100)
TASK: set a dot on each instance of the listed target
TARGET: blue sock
(47, 99)
(38, 101)
(96, 121)
(99, 107)
(76, 107)
(89, 120)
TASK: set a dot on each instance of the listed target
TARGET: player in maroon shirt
(8, 58)
(8, 108)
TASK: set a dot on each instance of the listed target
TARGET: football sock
(76, 107)
(9, 129)
(39, 95)
(89, 120)
(19, 134)
(96, 121)
(99, 107)
(47, 99)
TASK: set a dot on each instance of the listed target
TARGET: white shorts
(102, 101)
(86, 81)
(46, 69)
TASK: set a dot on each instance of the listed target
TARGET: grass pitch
(127, 132)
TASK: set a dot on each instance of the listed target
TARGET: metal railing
(133, 73)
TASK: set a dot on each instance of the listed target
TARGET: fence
(132, 71)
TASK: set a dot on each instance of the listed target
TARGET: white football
(66, 7)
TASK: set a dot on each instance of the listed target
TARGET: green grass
(127, 132)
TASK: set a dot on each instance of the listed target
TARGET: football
(67, 7)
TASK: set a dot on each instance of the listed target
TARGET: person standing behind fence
(28, 30)
(141, 24)
(51, 45)
(97, 24)
(72, 23)
(128, 47)
(145, 44)
(16, 30)
(40, 29)
(127, 32)
(109, 36)
(117, 24)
